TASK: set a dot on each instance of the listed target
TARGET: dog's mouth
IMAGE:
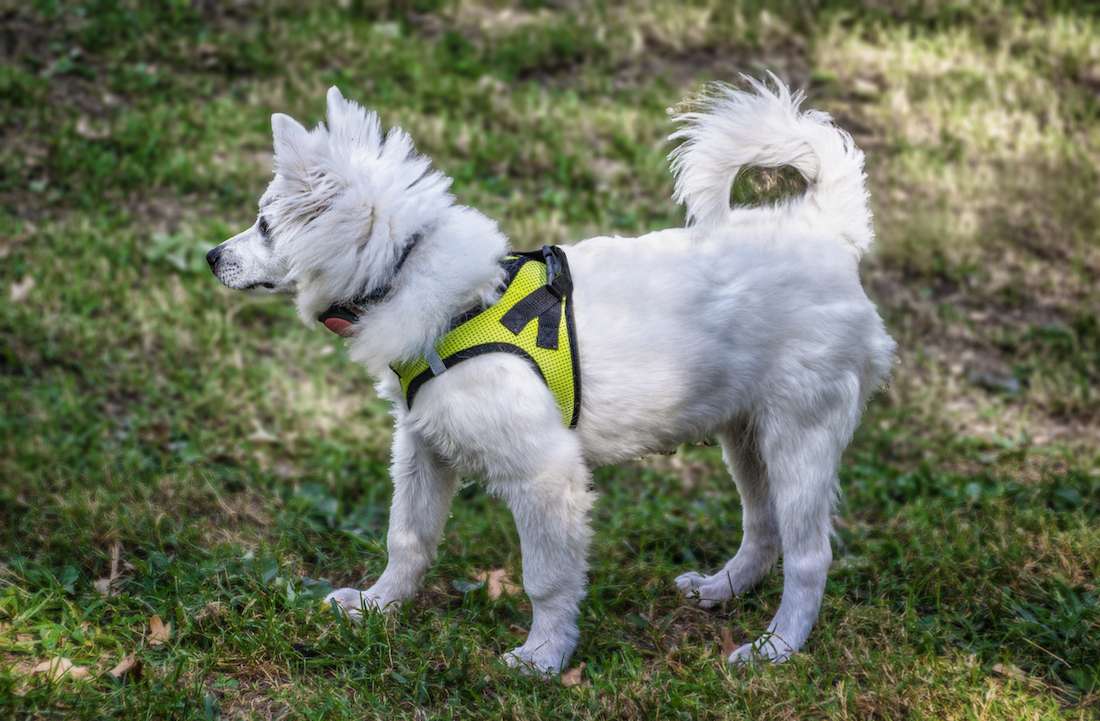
(264, 285)
(339, 320)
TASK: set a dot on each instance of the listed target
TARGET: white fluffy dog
(749, 325)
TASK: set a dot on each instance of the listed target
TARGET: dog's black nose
(213, 255)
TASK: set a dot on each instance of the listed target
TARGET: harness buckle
(559, 283)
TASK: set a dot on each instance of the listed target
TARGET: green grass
(237, 461)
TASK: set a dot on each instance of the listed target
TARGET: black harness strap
(544, 303)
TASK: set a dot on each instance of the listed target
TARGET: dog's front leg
(423, 488)
(551, 514)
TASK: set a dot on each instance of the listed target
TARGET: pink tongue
(339, 326)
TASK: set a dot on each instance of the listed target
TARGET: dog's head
(345, 202)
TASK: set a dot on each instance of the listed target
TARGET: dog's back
(683, 331)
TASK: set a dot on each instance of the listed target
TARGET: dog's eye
(265, 230)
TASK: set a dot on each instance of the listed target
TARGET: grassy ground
(230, 464)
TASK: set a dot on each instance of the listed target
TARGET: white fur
(766, 129)
(750, 325)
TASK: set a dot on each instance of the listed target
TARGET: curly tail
(764, 127)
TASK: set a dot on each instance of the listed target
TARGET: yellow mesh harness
(533, 319)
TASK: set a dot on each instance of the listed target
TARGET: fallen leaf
(1017, 674)
(1009, 670)
(464, 586)
(498, 583)
(213, 609)
(573, 677)
(57, 668)
(123, 667)
(728, 646)
(20, 289)
(262, 435)
(159, 631)
(104, 585)
(116, 556)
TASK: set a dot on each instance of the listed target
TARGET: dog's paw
(540, 661)
(707, 591)
(766, 649)
(355, 603)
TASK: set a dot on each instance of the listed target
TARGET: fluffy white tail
(763, 127)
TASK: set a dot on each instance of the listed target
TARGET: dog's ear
(350, 124)
(335, 98)
(287, 132)
(290, 140)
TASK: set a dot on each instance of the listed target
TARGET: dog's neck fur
(455, 265)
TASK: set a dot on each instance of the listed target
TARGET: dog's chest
(491, 417)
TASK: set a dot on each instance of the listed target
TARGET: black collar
(339, 317)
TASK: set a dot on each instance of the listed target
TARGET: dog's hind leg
(801, 451)
(423, 489)
(551, 514)
(760, 536)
